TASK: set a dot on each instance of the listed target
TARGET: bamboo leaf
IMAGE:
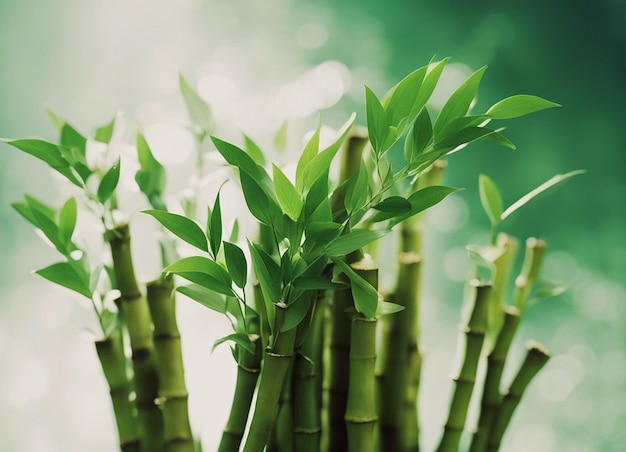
(352, 241)
(386, 308)
(423, 199)
(253, 150)
(403, 98)
(215, 226)
(543, 290)
(198, 109)
(490, 198)
(66, 275)
(463, 136)
(394, 204)
(236, 264)
(71, 138)
(420, 135)
(191, 268)
(204, 296)
(519, 105)
(357, 190)
(49, 153)
(240, 339)
(308, 154)
(428, 85)
(182, 227)
(259, 204)
(105, 133)
(236, 157)
(377, 126)
(364, 294)
(109, 182)
(151, 176)
(459, 102)
(269, 275)
(67, 221)
(287, 195)
(317, 283)
(555, 180)
(296, 312)
(485, 256)
(280, 139)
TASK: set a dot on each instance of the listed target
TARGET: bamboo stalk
(248, 369)
(173, 395)
(111, 355)
(535, 249)
(276, 362)
(282, 438)
(536, 357)
(138, 323)
(399, 336)
(361, 415)
(491, 397)
(474, 337)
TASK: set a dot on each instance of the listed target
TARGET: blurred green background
(87, 60)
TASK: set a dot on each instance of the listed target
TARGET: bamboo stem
(491, 397)
(535, 250)
(248, 369)
(173, 395)
(536, 357)
(277, 360)
(475, 335)
(111, 354)
(361, 415)
(138, 323)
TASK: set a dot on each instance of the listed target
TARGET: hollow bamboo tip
(536, 348)
(281, 305)
(365, 264)
(478, 284)
(511, 311)
(535, 243)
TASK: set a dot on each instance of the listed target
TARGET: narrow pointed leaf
(519, 105)
(425, 198)
(352, 241)
(182, 227)
(555, 180)
(236, 264)
(105, 133)
(296, 312)
(151, 177)
(308, 154)
(287, 195)
(253, 150)
(198, 109)
(70, 137)
(394, 204)
(64, 274)
(377, 126)
(204, 296)
(67, 220)
(364, 294)
(386, 308)
(419, 136)
(243, 340)
(404, 96)
(215, 226)
(216, 277)
(317, 283)
(109, 182)
(490, 199)
(428, 85)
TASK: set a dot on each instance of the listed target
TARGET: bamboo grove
(325, 360)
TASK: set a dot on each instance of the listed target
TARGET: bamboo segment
(536, 357)
(136, 315)
(248, 368)
(475, 335)
(361, 415)
(111, 354)
(495, 366)
(501, 282)
(350, 163)
(535, 249)
(400, 342)
(282, 436)
(173, 395)
(277, 360)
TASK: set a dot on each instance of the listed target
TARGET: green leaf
(215, 226)
(205, 297)
(49, 153)
(67, 221)
(287, 195)
(55, 119)
(236, 264)
(296, 312)
(259, 204)
(269, 275)
(320, 164)
(253, 150)
(317, 283)
(485, 256)
(386, 308)
(403, 98)
(545, 289)
(428, 85)
(182, 227)
(459, 102)
(66, 275)
(236, 157)
(151, 177)
(394, 204)
(352, 241)
(109, 182)
(365, 296)
(70, 137)
(498, 138)
(48, 226)
(425, 198)
(105, 133)
(110, 321)
(215, 276)
(519, 105)
(198, 109)
(243, 340)
(280, 139)
(419, 136)
(357, 190)
(490, 198)
(464, 136)
(308, 154)
(555, 180)
(377, 126)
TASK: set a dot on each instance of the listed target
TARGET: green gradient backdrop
(86, 59)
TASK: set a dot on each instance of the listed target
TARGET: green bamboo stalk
(536, 357)
(334, 434)
(113, 360)
(535, 250)
(491, 397)
(138, 322)
(501, 282)
(282, 438)
(399, 335)
(361, 416)
(248, 369)
(276, 362)
(475, 335)
(173, 395)
(259, 306)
